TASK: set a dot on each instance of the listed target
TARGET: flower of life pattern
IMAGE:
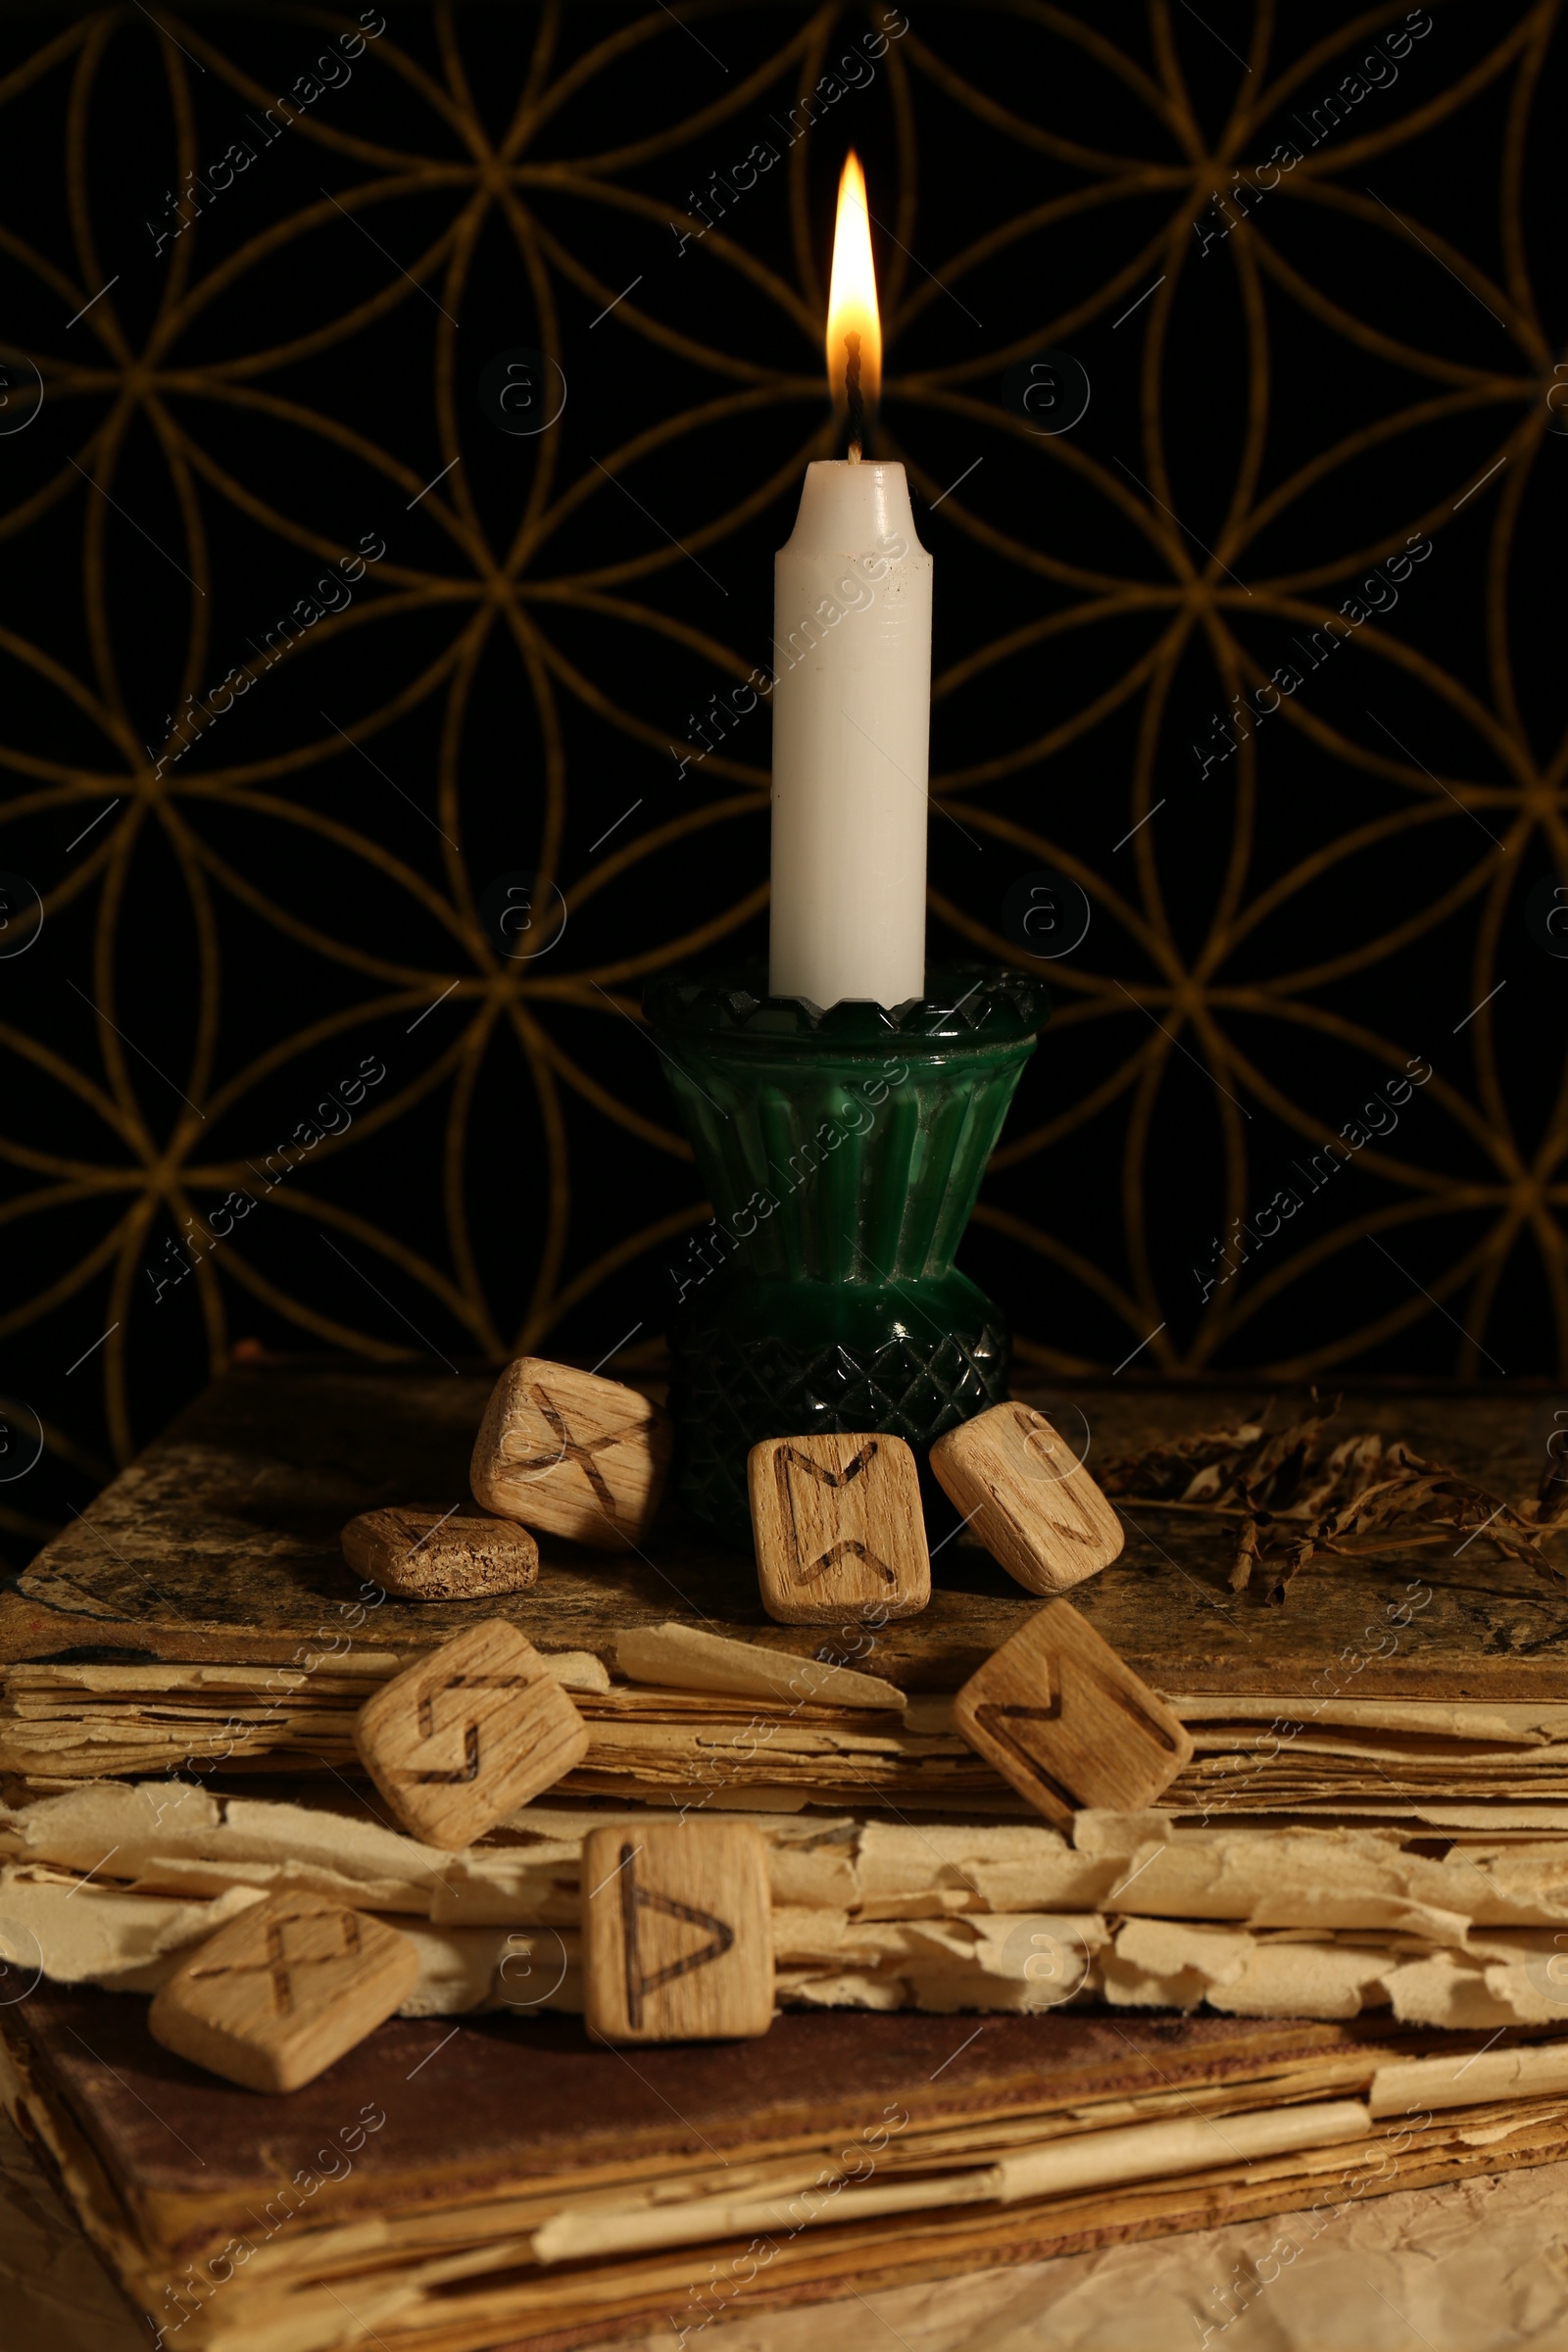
(1188, 661)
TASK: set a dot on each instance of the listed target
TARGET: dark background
(1364, 358)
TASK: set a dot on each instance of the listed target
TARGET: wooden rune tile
(564, 1451)
(1061, 1716)
(677, 1936)
(281, 1992)
(1029, 1499)
(469, 1734)
(434, 1555)
(838, 1525)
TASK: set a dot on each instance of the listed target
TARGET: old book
(165, 1577)
(1027, 1498)
(920, 1957)
(279, 1993)
(221, 1544)
(508, 2182)
(839, 1529)
(174, 1837)
(469, 1734)
(1061, 1717)
(201, 1617)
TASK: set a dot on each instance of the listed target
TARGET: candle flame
(852, 296)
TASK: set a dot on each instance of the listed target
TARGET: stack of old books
(1330, 1960)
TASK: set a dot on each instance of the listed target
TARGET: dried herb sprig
(1297, 1497)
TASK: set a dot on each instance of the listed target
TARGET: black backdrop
(1310, 271)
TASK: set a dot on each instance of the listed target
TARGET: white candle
(851, 700)
(852, 720)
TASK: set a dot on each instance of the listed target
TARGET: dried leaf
(1166, 1472)
(1364, 1496)
(1246, 1554)
(1285, 1563)
(1551, 1495)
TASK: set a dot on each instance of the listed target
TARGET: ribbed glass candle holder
(843, 1152)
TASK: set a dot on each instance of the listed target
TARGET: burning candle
(851, 698)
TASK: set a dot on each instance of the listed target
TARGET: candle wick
(851, 388)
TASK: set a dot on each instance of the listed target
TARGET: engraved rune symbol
(277, 1964)
(425, 1711)
(828, 1478)
(999, 1722)
(850, 1546)
(634, 1900)
(572, 1449)
(1041, 1441)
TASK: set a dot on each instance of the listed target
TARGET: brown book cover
(405, 2184)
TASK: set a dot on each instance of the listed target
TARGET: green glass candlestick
(843, 1152)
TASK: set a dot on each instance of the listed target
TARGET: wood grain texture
(566, 1450)
(1028, 1497)
(278, 1996)
(838, 1528)
(436, 1555)
(1059, 1714)
(676, 1933)
(462, 1738)
(221, 1544)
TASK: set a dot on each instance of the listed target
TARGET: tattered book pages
(1382, 1760)
(108, 1883)
(1487, 2244)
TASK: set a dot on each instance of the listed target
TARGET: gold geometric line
(1371, 1334)
(442, 1290)
(1105, 52)
(537, 1315)
(310, 1318)
(67, 1285)
(583, 1084)
(611, 1261)
(1350, 156)
(1062, 1254)
(454, 1185)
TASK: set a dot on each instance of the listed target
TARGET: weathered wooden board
(223, 1543)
